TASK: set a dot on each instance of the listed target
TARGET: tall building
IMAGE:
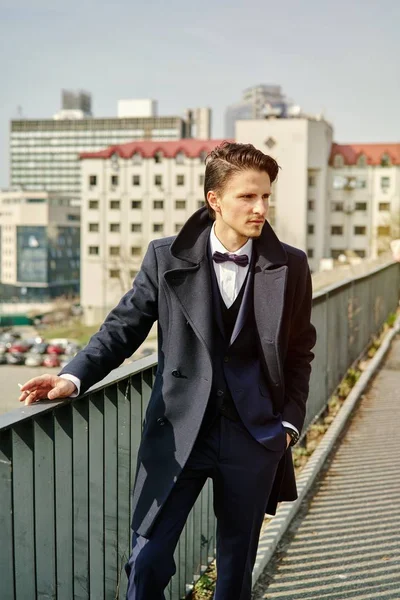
(39, 246)
(44, 152)
(257, 101)
(131, 194)
(299, 206)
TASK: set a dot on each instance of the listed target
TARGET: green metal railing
(67, 468)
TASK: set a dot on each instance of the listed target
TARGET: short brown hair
(230, 158)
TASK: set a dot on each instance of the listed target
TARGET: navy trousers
(242, 471)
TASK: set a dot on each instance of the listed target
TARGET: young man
(233, 306)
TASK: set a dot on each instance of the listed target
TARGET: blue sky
(340, 57)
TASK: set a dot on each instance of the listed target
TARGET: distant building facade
(44, 153)
(364, 197)
(298, 208)
(256, 102)
(39, 246)
(132, 194)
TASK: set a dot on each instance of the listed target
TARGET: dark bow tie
(240, 259)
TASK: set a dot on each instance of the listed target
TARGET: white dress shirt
(230, 278)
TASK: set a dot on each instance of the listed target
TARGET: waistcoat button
(176, 373)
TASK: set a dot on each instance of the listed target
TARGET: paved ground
(345, 542)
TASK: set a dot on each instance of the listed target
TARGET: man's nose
(260, 207)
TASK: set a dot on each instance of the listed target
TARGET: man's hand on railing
(46, 386)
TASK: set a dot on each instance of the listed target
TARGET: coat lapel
(191, 283)
(270, 276)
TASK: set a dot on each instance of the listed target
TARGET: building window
(178, 227)
(384, 206)
(114, 181)
(180, 158)
(136, 250)
(310, 229)
(115, 204)
(137, 159)
(114, 273)
(310, 253)
(133, 273)
(180, 204)
(385, 183)
(158, 204)
(114, 250)
(136, 204)
(385, 160)
(157, 179)
(361, 206)
(136, 227)
(136, 180)
(362, 161)
(311, 205)
(360, 253)
(337, 206)
(93, 227)
(158, 227)
(338, 161)
(158, 157)
(180, 180)
(92, 180)
(336, 253)
(200, 203)
(311, 180)
(337, 230)
(360, 230)
(384, 230)
(94, 250)
(201, 179)
(115, 227)
(93, 204)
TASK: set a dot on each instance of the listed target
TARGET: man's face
(241, 209)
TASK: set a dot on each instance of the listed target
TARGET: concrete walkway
(345, 540)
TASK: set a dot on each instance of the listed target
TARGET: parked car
(15, 358)
(64, 361)
(71, 349)
(55, 349)
(20, 346)
(39, 348)
(3, 347)
(51, 360)
(33, 360)
(3, 359)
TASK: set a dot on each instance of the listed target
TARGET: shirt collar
(217, 246)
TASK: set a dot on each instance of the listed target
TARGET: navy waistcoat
(239, 388)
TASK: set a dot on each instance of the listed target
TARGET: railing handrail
(26, 412)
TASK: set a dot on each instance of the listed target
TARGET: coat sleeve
(297, 365)
(124, 329)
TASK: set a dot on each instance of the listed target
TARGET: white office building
(39, 246)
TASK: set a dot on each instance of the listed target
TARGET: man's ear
(213, 201)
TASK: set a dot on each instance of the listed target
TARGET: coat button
(226, 359)
(220, 393)
(161, 421)
(176, 373)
